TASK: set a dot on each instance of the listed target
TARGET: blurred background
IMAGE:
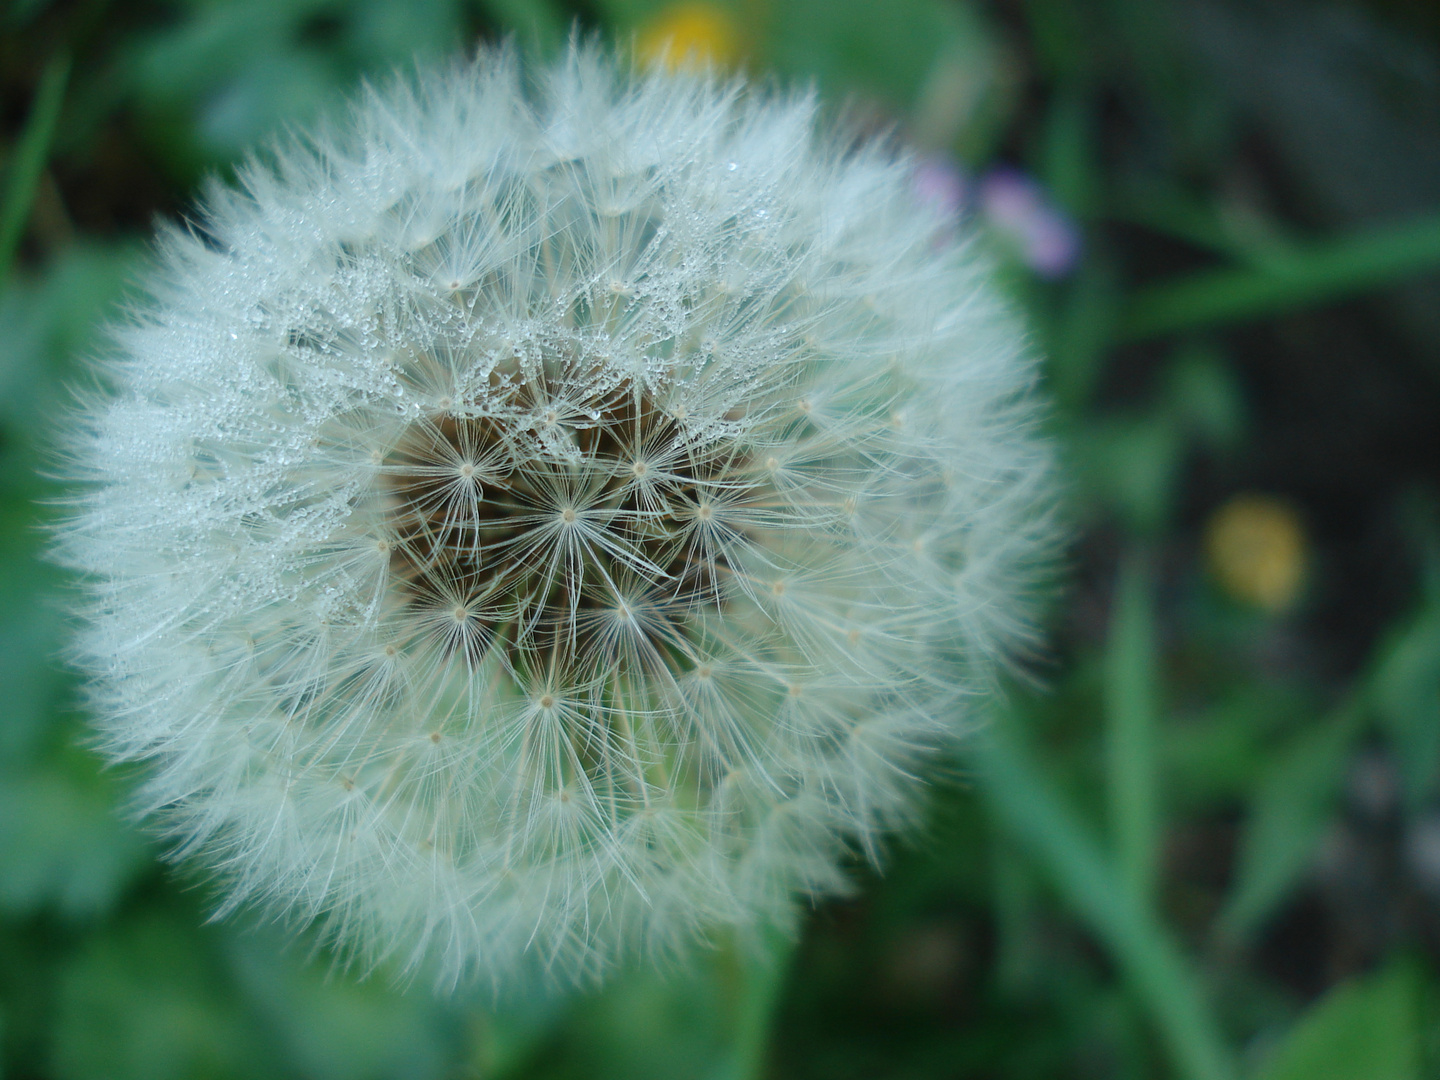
(1201, 837)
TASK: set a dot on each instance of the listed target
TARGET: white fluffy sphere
(550, 521)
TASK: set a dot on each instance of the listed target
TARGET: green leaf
(1082, 332)
(1405, 689)
(46, 320)
(1235, 230)
(276, 87)
(1216, 755)
(1020, 954)
(1202, 394)
(919, 52)
(62, 843)
(1068, 151)
(335, 1027)
(31, 635)
(649, 1026)
(1025, 805)
(628, 15)
(1288, 814)
(1368, 1029)
(537, 24)
(1130, 719)
(31, 152)
(380, 33)
(211, 85)
(1312, 275)
(505, 1035)
(1130, 464)
(147, 1001)
(1063, 35)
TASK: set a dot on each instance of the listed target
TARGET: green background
(1200, 840)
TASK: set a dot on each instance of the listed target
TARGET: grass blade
(1288, 813)
(1313, 275)
(1029, 810)
(32, 150)
(1130, 712)
(1366, 1029)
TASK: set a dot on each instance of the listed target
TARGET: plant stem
(756, 965)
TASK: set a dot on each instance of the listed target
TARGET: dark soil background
(1239, 739)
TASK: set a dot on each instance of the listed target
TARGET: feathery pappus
(541, 518)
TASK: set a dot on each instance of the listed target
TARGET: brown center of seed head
(540, 546)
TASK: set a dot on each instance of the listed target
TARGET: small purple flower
(1017, 206)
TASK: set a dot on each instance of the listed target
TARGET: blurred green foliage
(1203, 840)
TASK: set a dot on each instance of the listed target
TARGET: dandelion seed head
(543, 521)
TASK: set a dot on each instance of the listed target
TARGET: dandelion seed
(484, 518)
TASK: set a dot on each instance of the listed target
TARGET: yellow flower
(1255, 545)
(689, 35)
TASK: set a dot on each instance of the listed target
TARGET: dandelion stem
(756, 976)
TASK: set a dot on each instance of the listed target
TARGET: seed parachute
(542, 519)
